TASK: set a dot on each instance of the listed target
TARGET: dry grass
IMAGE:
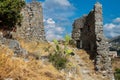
(89, 64)
(85, 57)
(116, 63)
(19, 69)
(34, 47)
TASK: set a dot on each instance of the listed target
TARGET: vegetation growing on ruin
(10, 13)
(17, 68)
(59, 55)
(117, 74)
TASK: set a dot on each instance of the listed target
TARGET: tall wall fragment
(88, 34)
(32, 27)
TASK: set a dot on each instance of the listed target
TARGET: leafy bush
(10, 13)
(59, 55)
(58, 60)
(117, 74)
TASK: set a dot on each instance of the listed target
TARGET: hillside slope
(115, 44)
(19, 68)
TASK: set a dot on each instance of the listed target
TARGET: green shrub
(67, 39)
(117, 74)
(59, 57)
(10, 13)
(58, 60)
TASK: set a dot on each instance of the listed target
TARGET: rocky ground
(21, 68)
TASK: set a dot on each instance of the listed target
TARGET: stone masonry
(88, 34)
(32, 27)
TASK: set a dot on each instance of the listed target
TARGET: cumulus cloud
(60, 2)
(112, 29)
(57, 18)
(113, 34)
(63, 2)
(58, 9)
(50, 21)
(53, 31)
(117, 20)
(56, 3)
(109, 26)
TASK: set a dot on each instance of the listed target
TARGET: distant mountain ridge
(115, 39)
(115, 44)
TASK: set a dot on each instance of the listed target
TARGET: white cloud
(44, 20)
(58, 16)
(56, 3)
(113, 34)
(112, 29)
(53, 36)
(53, 31)
(109, 26)
(117, 20)
(59, 29)
(58, 9)
(63, 2)
(50, 21)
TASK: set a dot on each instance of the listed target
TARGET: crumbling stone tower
(88, 34)
(32, 27)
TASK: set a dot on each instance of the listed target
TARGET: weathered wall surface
(32, 27)
(83, 32)
(88, 34)
(77, 25)
(103, 61)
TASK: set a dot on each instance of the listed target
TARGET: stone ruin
(31, 29)
(88, 34)
(32, 26)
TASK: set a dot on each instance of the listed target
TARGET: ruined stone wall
(83, 32)
(77, 25)
(88, 33)
(32, 27)
(103, 61)
(77, 30)
(89, 30)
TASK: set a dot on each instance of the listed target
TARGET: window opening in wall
(78, 44)
(81, 29)
(88, 27)
(81, 44)
(89, 46)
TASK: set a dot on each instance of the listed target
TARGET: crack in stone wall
(88, 34)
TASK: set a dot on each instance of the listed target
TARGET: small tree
(10, 13)
(59, 56)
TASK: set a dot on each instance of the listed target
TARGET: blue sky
(60, 14)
